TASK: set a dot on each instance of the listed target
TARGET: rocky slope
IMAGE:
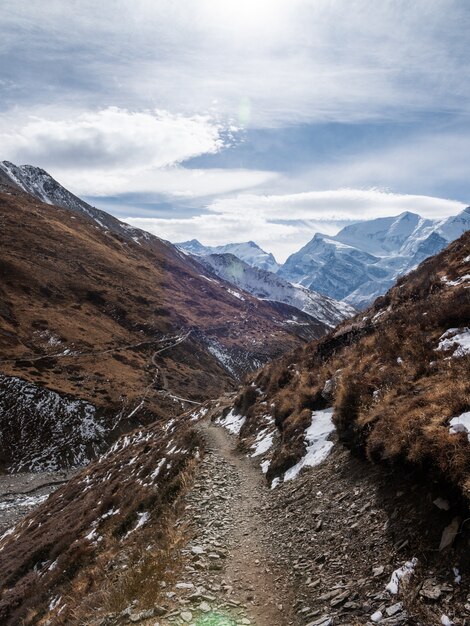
(269, 286)
(249, 252)
(364, 260)
(106, 332)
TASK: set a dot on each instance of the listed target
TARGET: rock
(186, 616)
(378, 571)
(449, 533)
(441, 504)
(184, 586)
(139, 617)
(159, 610)
(430, 590)
(395, 608)
(205, 607)
(376, 617)
(341, 598)
(326, 620)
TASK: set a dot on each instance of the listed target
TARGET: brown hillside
(393, 392)
(126, 325)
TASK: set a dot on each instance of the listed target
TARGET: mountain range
(356, 265)
(363, 260)
(248, 251)
(359, 263)
(267, 285)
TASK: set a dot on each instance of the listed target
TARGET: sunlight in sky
(264, 108)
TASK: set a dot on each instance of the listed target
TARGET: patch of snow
(199, 414)
(237, 294)
(275, 482)
(142, 518)
(233, 422)
(54, 602)
(263, 442)
(457, 339)
(402, 572)
(455, 283)
(445, 621)
(316, 438)
(156, 471)
(265, 466)
(211, 280)
(91, 535)
(223, 356)
(460, 424)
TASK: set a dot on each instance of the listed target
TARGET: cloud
(175, 183)
(111, 138)
(432, 161)
(267, 63)
(334, 205)
(283, 223)
(116, 151)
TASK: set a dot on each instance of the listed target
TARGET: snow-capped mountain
(40, 184)
(247, 251)
(364, 260)
(269, 286)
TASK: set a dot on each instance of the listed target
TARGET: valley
(199, 441)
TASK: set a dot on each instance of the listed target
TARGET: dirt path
(231, 575)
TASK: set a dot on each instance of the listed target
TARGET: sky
(236, 120)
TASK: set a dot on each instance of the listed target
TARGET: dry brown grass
(393, 394)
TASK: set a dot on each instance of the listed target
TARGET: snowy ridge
(364, 260)
(269, 286)
(249, 252)
(38, 183)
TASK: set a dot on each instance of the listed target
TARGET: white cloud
(111, 138)
(334, 205)
(426, 160)
(173, 182)
(283, 223)
(292, 61)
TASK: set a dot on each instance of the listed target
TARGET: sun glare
(244, 17)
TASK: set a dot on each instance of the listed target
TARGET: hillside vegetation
(396, 375)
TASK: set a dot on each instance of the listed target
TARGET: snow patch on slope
(317, 440)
